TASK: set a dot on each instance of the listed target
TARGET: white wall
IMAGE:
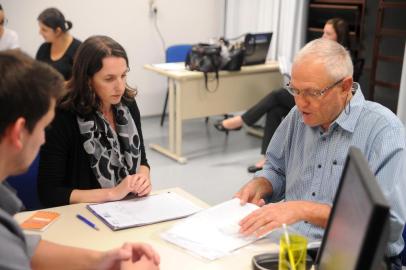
(253, 16)
(129, 22)
(285, 18)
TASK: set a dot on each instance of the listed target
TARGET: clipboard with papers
(136, 212)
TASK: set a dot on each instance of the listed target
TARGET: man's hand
(49, 255)
(254, 191)
(271, 216)
(129, 256)
(142, 264)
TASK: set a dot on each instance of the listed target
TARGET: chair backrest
(26, 186)
(177, 53)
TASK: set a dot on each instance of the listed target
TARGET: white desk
(68, 230)
(188, 97)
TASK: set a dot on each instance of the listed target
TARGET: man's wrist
(312, 212)
(96, 257)
(264, 185)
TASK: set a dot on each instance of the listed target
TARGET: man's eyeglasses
(3, 22)
(312, 93)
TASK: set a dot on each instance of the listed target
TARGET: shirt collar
(349, 116)
(8, 200)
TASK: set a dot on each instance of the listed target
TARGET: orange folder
(40, 220)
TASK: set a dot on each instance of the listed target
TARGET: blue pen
(85, 220)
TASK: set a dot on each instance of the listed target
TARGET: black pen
(88, 222)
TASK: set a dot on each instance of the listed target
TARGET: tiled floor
(217, 164)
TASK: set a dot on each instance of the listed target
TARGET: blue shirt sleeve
(388, 162)
(274, 169)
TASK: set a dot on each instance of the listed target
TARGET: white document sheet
(213, 232)
(141, 211)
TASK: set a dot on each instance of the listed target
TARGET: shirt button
(313, 194)
(319, 166)
(306, 221)
(334, 162)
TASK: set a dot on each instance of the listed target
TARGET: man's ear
(347, 84)
(15, 133)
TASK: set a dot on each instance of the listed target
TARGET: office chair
(175, 53)
(26, 186)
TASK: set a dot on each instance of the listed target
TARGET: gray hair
(331, 54)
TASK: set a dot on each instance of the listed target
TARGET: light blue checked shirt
(305, 163)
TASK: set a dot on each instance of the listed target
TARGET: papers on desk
(212, 233)
(171, 66)
(142, 211)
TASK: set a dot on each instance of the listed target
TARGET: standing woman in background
(59, 47)
(94, 150)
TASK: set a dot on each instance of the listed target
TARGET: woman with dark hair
(60, 46)
(277, 104)
(94, 150)
(337, 29)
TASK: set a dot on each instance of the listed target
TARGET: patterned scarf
(113, 154)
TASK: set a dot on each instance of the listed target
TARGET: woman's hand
(138, 183)
(142, 184)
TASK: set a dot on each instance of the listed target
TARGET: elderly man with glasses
(306, 155)
(8, 37)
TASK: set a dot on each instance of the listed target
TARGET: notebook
(155, 208)
(40, 220)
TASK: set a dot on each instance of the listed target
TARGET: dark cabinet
(388, 48)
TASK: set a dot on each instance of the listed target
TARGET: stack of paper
(142, 211)
(212, 233)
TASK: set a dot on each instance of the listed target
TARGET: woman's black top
(64, 165)
(63, 64)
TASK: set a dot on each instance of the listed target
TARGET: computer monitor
(256, 48)
(358, 226)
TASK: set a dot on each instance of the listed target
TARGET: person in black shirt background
(60, 46)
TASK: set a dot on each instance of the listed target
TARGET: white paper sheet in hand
(212, 233)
